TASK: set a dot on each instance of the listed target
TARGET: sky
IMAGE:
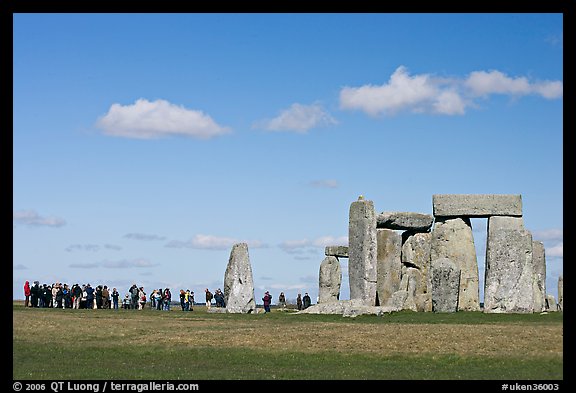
(146, 145)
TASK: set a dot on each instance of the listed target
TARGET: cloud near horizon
(121, 264)
(143, 237)
(424, 93)
(209, 242)
(156, 119)
(298, 118)
(306, 245)
(32, 218)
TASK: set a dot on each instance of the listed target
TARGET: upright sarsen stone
(416, 253)
(508, 285)
(238, 281)
(445, 277)
(330, 278)
(389, 264)
(362, 251)
(539, 283)
(452, 239)
(561, 293)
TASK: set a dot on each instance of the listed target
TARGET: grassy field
(150, 344)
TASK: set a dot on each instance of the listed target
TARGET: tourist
(267, 299)
(167, 299)
(89, 296)
(105, 297)
(142, 297)
(282, 300)
(158, 298)
(126, 302)
(115, 297)
(46, 296)
(209, 297)
(183, 300)
(76, 296)
(134, 298)
(35, 294)
(27, 294)
(191, 300)
(299, 302)
(306, 301)
(219, 298)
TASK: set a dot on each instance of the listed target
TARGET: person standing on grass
(89, 296)
(167, 299)
(282, 300)
(299, 301)
(182, 300)
(306, 301)
(209, 297)
(158, 297)
(191, 300)
(267, 299)
(105, 297)
(35, 294)
(27, 294)
(115, 297)
(142, 297)
(76, 296)
(134, 296)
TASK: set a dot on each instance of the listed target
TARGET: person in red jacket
(267, 300)
(27, 294)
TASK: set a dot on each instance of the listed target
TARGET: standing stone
(445, 276)
(551, 305)
(539, 283)
(330, 278)
(561, 293)
(238, 282)
(508, 286)
(362, 251)
(452, 239)
(416, 253)
(389, 271)
(409, 284)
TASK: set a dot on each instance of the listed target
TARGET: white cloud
(121, 264)
(482, 83)
(143, 236)
(210, 242)
(31, 218)
(83, 247)
(160, 118)
(298, 118)
(20, 267)
(328, 183)
(305, 245)
(549, 235)
(424, 93)
(556, 251)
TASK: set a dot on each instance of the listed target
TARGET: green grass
(149, 344)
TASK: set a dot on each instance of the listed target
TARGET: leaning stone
(404, 221)
(476, 205)
(389, 271)
(330, 278)
(561, 293)
(238, 281)
(336, 251)
(362, 251)
(539, 283)
(508, 287)
(452, 238)
(445, 285)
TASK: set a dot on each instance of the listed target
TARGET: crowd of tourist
(61, 295)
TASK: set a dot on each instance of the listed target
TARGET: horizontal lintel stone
(404, 221)
(336, 251)
(477, 205)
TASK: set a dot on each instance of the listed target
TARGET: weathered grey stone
(476, 205)
(416, 253)
(551, 305)
(347, 308)
(539, 283)
(404, 221)
(238, 281)
(330, 278)
(389, 271)
(452, 238)
(561, 293)
(336, 251)
(508, 285)
(405, 297)
(445, 285)
(362, 251)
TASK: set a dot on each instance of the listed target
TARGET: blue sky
(145, 145)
